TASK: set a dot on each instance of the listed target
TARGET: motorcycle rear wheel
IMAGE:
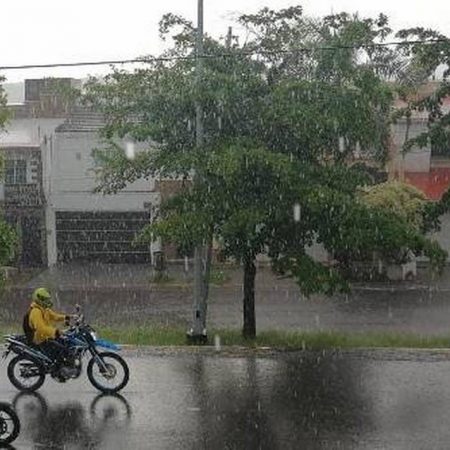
(30, 374)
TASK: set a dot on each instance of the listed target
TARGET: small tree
(400, 199)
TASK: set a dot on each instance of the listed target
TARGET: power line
(151, 59)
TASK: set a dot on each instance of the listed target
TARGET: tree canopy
(283, 128)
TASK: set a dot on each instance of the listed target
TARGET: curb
(234, 350)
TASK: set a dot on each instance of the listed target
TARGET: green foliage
(4, 113)
(425, 60)
(161, 277)
(398, 198)
(281, 130)
(218, 277)
(433, 211)
(8, 242)
(333, 122)
(329, 112)
(8, 237)
(247, 198)
(155, 335)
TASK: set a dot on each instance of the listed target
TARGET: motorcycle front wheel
(26, 373)
(111, 376)
(9, 424)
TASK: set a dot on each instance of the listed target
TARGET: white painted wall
(28, 131)
(69, 181)
(416, 159)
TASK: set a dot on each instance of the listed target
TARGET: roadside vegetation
(227, 338)
(289, 340)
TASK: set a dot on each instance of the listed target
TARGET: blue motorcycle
(106, 370)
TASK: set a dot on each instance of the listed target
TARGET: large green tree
(258, 201)
(426, 60)
(283, 125)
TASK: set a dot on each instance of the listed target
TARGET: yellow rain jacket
(41, 321)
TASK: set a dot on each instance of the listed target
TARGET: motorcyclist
(39, 326)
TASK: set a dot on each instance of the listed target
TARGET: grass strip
(157, 335)
(167, 336)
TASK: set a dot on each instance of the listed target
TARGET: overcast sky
(49, 31)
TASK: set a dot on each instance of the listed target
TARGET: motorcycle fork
(99, 360)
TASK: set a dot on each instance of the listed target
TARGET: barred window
(15, 171)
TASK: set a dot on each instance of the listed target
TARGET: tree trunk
(249, 330)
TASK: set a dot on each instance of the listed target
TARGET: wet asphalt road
(351, 400)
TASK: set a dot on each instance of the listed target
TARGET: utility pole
(198, 331)
(229, 37)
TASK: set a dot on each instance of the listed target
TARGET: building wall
(69, 182)
(28, 131)
(70, 178)
(416, 159)
(23, 206)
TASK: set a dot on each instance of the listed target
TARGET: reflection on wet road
(385, 400)
(71, 423)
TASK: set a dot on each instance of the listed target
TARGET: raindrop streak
(341, 144)
(297, 212)
(217, 345)
(129, 150)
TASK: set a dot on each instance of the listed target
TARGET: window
(15, 171)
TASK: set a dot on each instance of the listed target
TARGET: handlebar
(75, 321)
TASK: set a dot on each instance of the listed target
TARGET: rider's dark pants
(54, 349)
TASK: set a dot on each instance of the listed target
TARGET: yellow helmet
(42, 297)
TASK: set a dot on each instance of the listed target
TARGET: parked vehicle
(9, 424)
(106, 370)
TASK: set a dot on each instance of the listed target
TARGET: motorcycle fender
(107, 344)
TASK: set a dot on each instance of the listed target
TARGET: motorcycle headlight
(93, 335)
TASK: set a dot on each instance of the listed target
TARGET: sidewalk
(93, 275)
(124, 296)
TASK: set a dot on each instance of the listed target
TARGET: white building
(82, 224)
(48, 151)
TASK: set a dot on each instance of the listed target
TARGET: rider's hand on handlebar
(69, 318)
